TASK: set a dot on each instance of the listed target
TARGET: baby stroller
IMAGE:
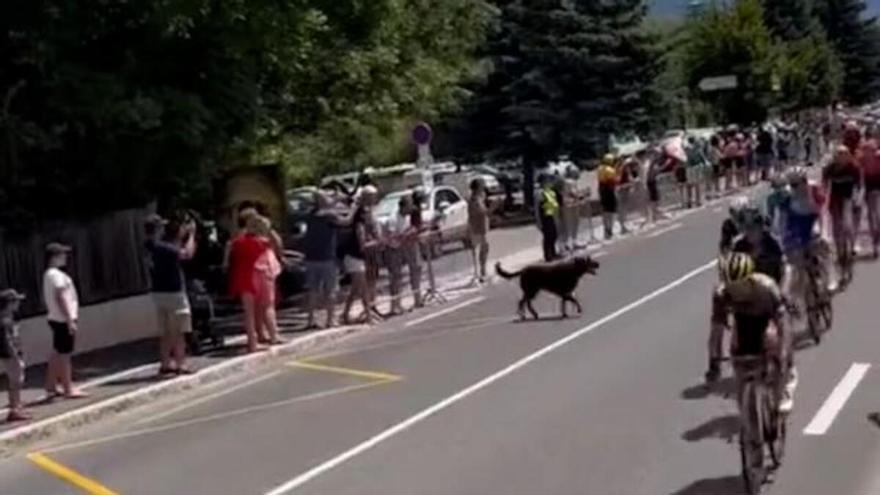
(205, 333)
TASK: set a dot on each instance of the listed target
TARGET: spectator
(627, 174)
(373, 251)
(764, 153)
(716, 159)
(571, 213)
(167, 248)
(320, 247)
(11, 354)
(695, 164)
(267, 268)
(354, 261)
(245, 249)
(607, 175)
(414, 252)
(547, 209)
(731, 162)
(62, 302)
(478, 227)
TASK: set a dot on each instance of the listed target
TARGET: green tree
(790, 20)
(110, 104)
(733, 41)
(811, 73)
(857, 41)
(562, 76)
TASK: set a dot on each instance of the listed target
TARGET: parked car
(444, 207)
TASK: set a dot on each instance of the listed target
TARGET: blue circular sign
(422, 134)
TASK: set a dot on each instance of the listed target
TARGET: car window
(446, 195)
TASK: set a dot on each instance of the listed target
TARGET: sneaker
(18, 415)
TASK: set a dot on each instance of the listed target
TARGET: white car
(443, 205)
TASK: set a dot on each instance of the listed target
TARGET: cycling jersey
(754, 304)
(843, 177)
(768, 255)
(800, 222)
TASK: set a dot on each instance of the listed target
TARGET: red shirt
(244, 252)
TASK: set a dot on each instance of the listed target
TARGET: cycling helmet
(739, 205)
(737, 267)
(778, 182)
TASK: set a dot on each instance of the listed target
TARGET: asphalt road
(472, 402)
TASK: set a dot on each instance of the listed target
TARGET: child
(11, 354)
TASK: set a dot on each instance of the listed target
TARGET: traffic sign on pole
(718, 83)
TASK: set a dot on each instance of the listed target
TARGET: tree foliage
(113, 103)
(733, 41)
(857, 41)
(563, 75)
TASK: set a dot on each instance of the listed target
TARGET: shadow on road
(729, 485)
(723, 427)
(725, 387)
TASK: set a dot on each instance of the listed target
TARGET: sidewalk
(125, 376)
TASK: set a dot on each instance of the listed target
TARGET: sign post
(710, 84)
(422, 136)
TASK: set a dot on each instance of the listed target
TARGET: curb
(45, 429)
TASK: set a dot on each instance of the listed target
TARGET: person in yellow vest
(547, 209)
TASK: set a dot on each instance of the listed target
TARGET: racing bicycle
(762, 426)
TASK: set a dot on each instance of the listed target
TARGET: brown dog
(559, 277)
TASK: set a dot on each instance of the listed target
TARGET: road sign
(718, 83)
(422, 134)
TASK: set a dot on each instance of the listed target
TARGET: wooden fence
(107, 261)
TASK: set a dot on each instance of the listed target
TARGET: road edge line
(68, 475)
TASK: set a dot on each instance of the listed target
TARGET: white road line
(665, 230)
(835, 402)
(600, 254)
(322, 468)
(215, 417)
(209, 397)
(445, 311)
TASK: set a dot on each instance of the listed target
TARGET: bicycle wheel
(751, 445)
(773, 426)
(820, 313)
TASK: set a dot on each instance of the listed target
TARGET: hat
(10, 295)
(55, 248)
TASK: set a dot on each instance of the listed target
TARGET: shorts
(608, 200)
(63, 339)
(14, 367)
(173, 313)
(322, 277)
(681, 175)
(872, 183)
(354, 265)
(478, 240)
(765, 160)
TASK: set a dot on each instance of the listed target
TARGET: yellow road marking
(70, 476)
(371, 375)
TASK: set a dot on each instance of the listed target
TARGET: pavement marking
(835, 402)
(216, 417)
(371, 375)
(209, 397)
(70, 476)
(600, 254)
(665, 230)
(444, 311)
(389, 433)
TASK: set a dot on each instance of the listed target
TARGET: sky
(676, 7)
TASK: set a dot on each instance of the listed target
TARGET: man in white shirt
(62, 303)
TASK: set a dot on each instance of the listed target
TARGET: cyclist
(800, 215)
(731, 228)
(842, 177)
(777, 203)
(758, 242)
(759, 317)
(870, 164)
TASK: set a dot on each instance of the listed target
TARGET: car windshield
(389, 205)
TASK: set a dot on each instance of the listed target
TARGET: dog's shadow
(545, 319)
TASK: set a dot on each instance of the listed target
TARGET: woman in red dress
(244, 251)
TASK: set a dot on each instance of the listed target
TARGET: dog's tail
(505, 274)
